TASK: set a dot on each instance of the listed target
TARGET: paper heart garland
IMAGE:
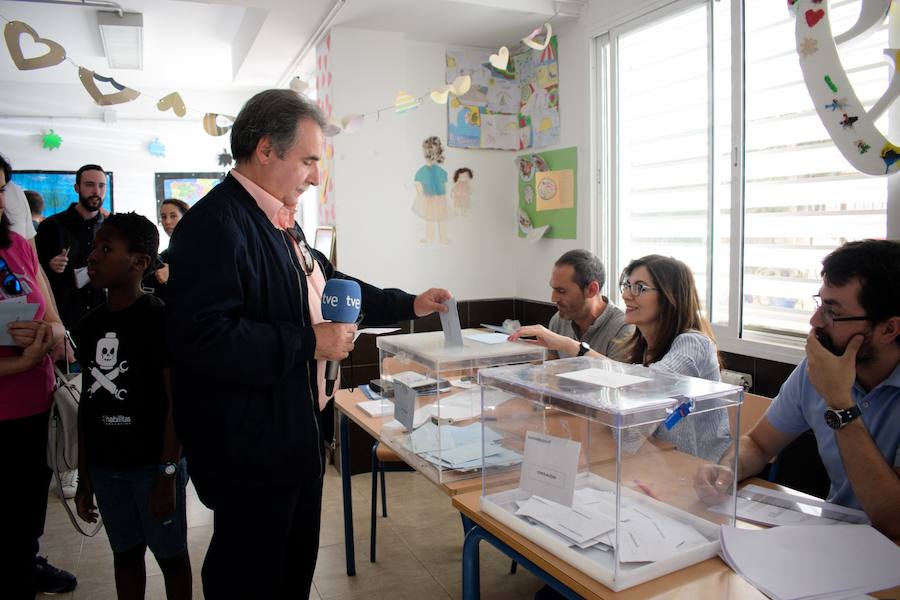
(501, 59)
(539, 45)
(88, 80)
(13, 31)
(351, 123)
(404, 102)
(459, 87)
(212, 127)
(174, 102)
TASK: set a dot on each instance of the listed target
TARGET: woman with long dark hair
(671, 336)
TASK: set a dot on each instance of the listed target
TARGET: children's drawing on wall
(431, 192)
(461, 192)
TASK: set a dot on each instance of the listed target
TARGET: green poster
(548, 192)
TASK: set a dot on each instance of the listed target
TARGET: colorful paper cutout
(404, 102)
(212, 126)
(554, 190)
(527, 93)
(501, 59)
(120, 96)
(536, 44)
(351, 123)
(13, 31)
(849, 124)
(172, 101)
(51, 140)
(224, 158)
(547, 192)
(156, 148)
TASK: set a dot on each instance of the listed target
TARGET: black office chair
(384, 460)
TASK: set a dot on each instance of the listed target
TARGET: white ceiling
(248, 44)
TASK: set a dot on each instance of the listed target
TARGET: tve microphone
(341, 301)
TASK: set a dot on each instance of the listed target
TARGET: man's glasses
(306, 258)
(828, 315)
(635, 289)
(10, 282)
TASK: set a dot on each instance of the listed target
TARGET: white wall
(378, 235)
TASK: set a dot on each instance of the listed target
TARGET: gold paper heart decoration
(213, 128)
(13, 31)
(174, 102)
(88, 80)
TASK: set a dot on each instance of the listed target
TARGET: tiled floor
(419, 549)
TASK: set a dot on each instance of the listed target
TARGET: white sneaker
(69, 483)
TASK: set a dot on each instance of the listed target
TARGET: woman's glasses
(10, 282)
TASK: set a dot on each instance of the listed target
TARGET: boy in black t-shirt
(129, 457)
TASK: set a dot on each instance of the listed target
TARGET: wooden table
(345, 402)
(711, 579)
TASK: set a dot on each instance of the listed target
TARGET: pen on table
(645, 489)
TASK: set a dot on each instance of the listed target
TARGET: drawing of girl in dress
(461, 193)
(431, 191)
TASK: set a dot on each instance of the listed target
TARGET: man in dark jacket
(247, 337)
(64, 241)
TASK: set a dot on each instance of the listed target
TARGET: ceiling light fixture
(122, 38)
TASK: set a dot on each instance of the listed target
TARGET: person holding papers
(847, 389)
(671, 336)
(26, 384)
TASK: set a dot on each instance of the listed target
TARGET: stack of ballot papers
(459, 448)
(770, 507)
(376, 406)
(645, 535)
(813, 561)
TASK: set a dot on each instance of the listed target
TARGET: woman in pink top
(26, 384)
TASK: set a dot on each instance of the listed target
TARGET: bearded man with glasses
(847, 389)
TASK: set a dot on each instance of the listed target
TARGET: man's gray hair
(272, 113)
(587, 267)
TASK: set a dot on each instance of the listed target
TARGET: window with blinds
(667, 117)
(801, 197)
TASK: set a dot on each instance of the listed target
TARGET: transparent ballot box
(437, 401)
(619, 474)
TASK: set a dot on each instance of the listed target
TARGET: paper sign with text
(549, 467)
(404, 404)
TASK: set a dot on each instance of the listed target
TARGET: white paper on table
(412, 379)
(601, 377)
(576, 524)
(377, 408)
(488, 338)
(813, 560)
(375, 331)
(431, 438)
(11, 312)
(549, 467)
(466, 385)
(772, 507)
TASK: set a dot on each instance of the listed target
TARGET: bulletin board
(547, 183)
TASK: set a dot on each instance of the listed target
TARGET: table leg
(471, 562)
(471, 587)
(348, 497)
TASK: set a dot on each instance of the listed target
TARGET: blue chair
(384, 460)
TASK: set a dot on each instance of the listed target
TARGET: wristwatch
(168, 469)
(584, 349)
(838, 419)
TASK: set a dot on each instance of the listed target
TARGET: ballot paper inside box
(437, 402)
(610, 456)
